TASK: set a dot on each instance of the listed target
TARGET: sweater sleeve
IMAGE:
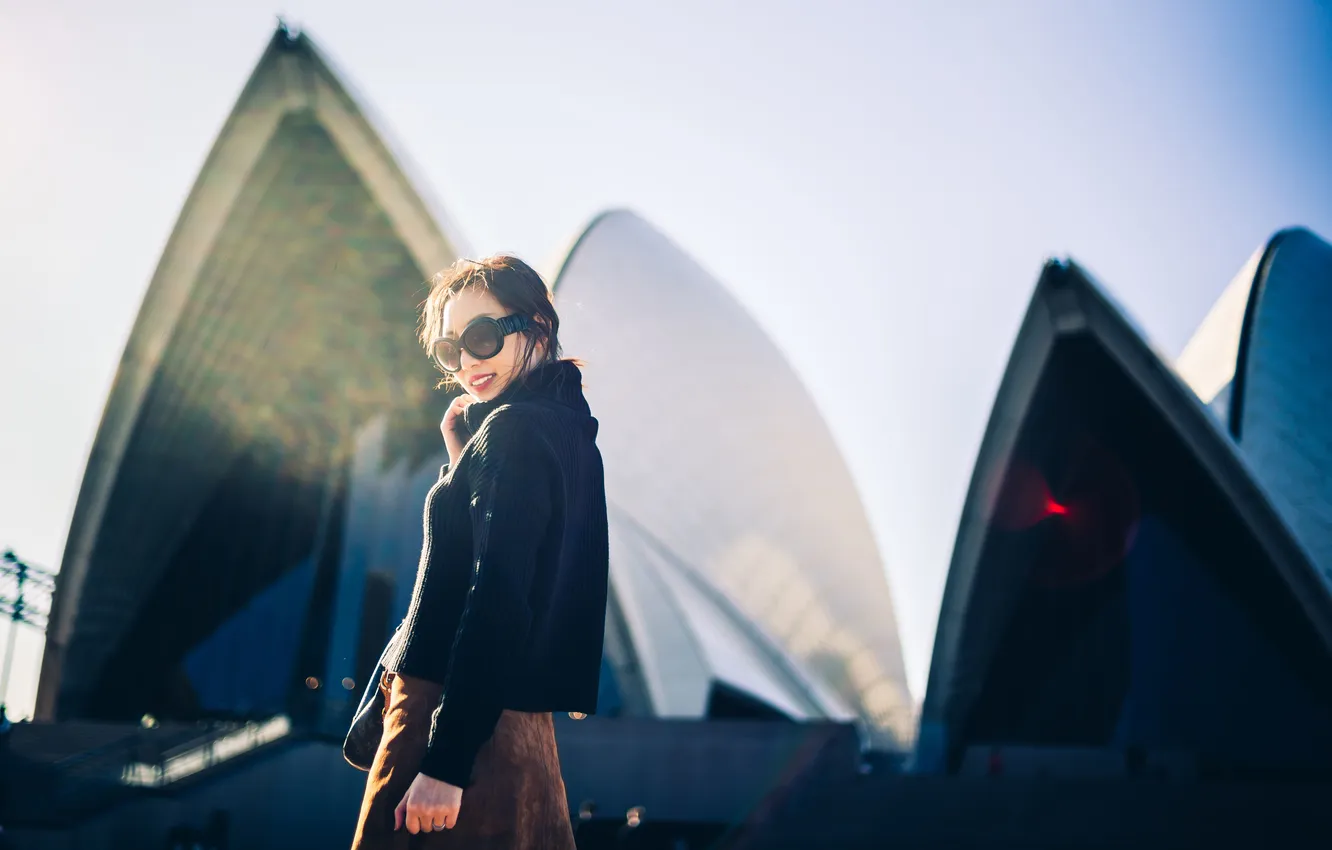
(510, 477)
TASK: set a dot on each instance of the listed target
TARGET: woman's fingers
(419, 819)
(411, 816)
(416, 822)
(455, 409)
(428, 806)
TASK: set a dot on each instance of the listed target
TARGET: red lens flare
(1093, 516)
(1024, 499)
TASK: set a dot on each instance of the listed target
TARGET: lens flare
(1090, 526)
(1024, 499)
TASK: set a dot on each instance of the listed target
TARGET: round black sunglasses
(483, 338)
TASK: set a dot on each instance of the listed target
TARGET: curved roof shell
(1119, 578)
(1261, 358)
(718, 459)
(272, 326)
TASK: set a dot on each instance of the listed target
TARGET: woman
(507, 617)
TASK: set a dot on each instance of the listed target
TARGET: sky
(878, 182)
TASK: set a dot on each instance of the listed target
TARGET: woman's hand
(453, 427)
(430, 805)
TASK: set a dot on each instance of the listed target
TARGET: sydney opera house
(1123, 580)
(258, 474)
(1138, 590)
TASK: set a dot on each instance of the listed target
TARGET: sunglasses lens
(447, 354)
(482, 339)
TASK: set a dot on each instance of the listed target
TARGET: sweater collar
(560, 382)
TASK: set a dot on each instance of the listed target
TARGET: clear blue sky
(909, 163)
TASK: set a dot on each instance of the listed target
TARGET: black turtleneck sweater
(509, 606)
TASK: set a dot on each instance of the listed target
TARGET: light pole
(19, 610)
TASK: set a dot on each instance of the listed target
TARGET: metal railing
(25, 597)
(198, 756)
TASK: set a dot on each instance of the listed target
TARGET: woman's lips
(480, 382)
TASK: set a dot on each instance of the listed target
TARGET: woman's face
(483, 379)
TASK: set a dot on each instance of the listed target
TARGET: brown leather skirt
(516, 800)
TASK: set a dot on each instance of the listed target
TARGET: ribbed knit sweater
(509, 607)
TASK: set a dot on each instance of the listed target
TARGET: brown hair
(516, 286)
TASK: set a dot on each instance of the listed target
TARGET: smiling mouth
(480, 382)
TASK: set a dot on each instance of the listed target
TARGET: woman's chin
(485, 393)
